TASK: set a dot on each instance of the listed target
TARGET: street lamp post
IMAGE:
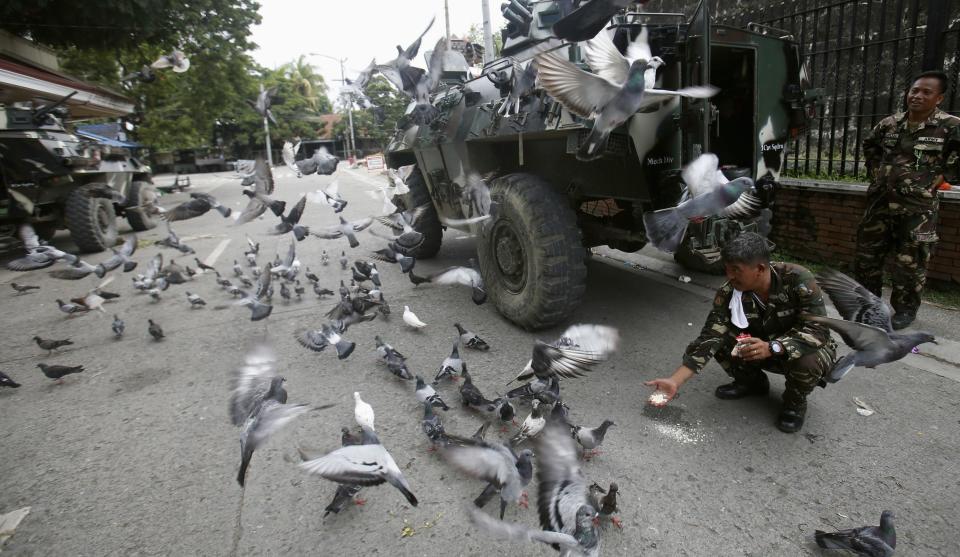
(266, 132)
(351, 145)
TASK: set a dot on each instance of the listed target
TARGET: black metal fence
(862, 53)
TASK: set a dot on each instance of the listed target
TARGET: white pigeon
(363, 412)
(411, 319)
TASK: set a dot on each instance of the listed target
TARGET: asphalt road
(136, 456)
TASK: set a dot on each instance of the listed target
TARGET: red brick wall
(820, 224)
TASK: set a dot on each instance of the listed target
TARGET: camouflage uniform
(810, 351)
(905, 167)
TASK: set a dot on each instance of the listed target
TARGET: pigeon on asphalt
(411, 319)
(471, 397)
(545, 390)
(195, 300)
(258, 404)
(23, 288)
(289, 266)
(117, 326)
(324, 260)
(260, 199)
(291, 221)
(609, 103)
(329, 196)
(343, 260)
(363, 413)
(198, 204)
(367, 464)
(607, 505)
(590, 438)
(389, 255)
(6, 381)
(467, 276)
(50, 345)
(452, 364)
(59, 372)
(345, 229)
(578, 349)
(318, 339)
(263, 103)
(256, 302)
(321, 292)
(504, 470)
(868, 541)
(426, 393)
(432, 426)
(395, 361)
(532, 426)
(471, 339)
(71, 308)
(203, 266)
(173, 241)
(154, 329)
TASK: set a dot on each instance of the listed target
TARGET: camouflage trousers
(802, 374)
(911, 237)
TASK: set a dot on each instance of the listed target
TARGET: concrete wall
(818, 221)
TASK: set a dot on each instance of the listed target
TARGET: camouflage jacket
(905, 165)
(793, 291)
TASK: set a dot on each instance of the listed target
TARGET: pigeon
(398, 179)
(155, 331)
(355, 87)
(291, 222)
(38, 256)
(199, 204)
(263, 102)
(522, 84)
(299, 290)
(23, 288)
(71, 308)
(411, 319)
(260, 199)
(321, 162)
(6, 381)
(423, 111)
(471, 339)
(324, 260)
(869, 541)
(329, 196)
(59, 372)
(318, 339)
(367, 464)
(258, 404)
(395, 361)
(343, 261)
(345, 492)
(259, 308)
(545, 390)
(426, 393)
(363, 413)
(532, 426)
(451, 365)
(398, 71)
(195, 300)
(345, 229)
(50, 345)
(432, 426)
(575, 352)
(504, 470)
(606, 505)
(609, 103)
(117, 326)
(173, 241)
(255, 246)
(77, 271)
(203, 266)
(176, 60)
(321, 292)
(471, 397)
(467, 276)
(390, 256)
(703, 175)
(590, 438)
(383, 194)
(406, 237)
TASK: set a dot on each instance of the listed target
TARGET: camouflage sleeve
(805, 336)
(713, 334)
(872, 148)
(951, 172)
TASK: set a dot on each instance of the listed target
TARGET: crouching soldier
(755, 326)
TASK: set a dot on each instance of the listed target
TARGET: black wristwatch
(776, 348)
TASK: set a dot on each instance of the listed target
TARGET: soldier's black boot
(742, 387)
(791, 419)
(902, 319)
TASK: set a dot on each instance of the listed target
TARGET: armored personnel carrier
(52, 179)
(550, 205)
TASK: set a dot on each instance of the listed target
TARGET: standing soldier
(908, 155)
(755, 326)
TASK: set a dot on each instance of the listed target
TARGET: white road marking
(217, 252)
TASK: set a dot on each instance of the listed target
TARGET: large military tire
(140, 194)
(91, 220)
(429, 223)
(531, 254)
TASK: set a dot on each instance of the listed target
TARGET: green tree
(377, 123)
(308, 82)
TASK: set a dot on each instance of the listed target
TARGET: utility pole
(351, 145)
(488, 53)
(266, 132)
(446, 13)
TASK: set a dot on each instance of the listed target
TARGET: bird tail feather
(665, 228)
(225, 211)
(829, 540)
(594, 145)
(345, 348)
(842, 367)
(399, 484)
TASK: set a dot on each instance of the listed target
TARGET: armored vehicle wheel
(140, 194)
(91, 220)
(429, 223)
(531, 254)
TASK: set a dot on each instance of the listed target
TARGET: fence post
(937, 15)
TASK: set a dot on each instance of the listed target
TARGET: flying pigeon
(522, 84)
(868, 541)
(256, 302)
(389, 255)
(199, 204)
(345, 492)
(260, 199)
(176, 60)
(345, 229)
(329, 196)
(578, 349)
(318, 339)
(321, 162)
(467, 276)
(504, 470)
(398, 71)
(263, 102)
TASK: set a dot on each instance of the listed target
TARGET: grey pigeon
(199, 204)
(607, 505)
(869, 541)
(471, 339)
(318, 339)
(343, 260)
(173, 241)
(345, 229)
(504, 470)
(452, 364)
(432, 426)
(321, 162)
(117, 326)
(532, 425)
(71, 309)
(394, 360)
(330, 196)
(260, 199)
(398, 71)
(580, 347)
(176, 60)
(285, 291)
(23, 288)
(390, 256)
(406, 238)
(367, 464)
(545, 390)
(6, 381)
(195, 300)
(590, 438)
(426, 393)
(666, 228)
(59, 372)
(324, 260)
(522, 84)
(155, 331)
(291, 221)
(38, 256)
(345, 492)
(50, 344)
(257, 302)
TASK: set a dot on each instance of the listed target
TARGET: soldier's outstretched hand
(666, 390)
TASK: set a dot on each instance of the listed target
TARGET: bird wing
(598, 339)
(263, 282)
(484, 462)
(857, 335)
(604, 59)
(187, 210)
(700, 175)
(71, 273)
(853, 301)
(263, 177)
(330, 234)
(435, 65)
(251, 383)
(412, 50)
(565, 362)
(154, 266)
(639, 48)
(289, 156)
(314, 339)
(291, 255)
(583, 93)
(457, 275)
(274, 416)
(562, 487)
(254, 209)
(517, 532)
(695, 92)
(359, 225)
(392, 74)
(748, 205)
(357, 464)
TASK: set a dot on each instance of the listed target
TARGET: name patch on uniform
(930, 139)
